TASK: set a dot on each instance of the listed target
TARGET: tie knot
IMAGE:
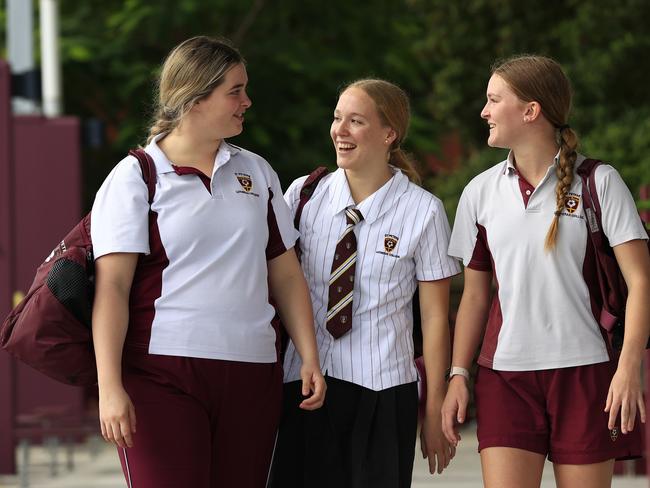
(353, 216)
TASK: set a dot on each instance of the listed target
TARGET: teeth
(345, 145)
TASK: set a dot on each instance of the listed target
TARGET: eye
(337, 118)
(356, 121)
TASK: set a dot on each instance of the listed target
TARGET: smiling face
(504, 113)
(360, 138)
(222, 111)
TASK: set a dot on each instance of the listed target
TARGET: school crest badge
(390, 243)
(245, 181)
(571, 203)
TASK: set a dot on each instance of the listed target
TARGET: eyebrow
(238, 85)
(353, 114)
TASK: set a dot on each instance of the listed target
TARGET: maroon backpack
(50, 329)
(613, 290)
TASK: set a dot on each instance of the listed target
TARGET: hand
(116, 416)
(454, 408)
(625, 394)
(313, 386)
(435, 447)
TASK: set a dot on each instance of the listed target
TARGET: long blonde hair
(394, 111)
(191, 71)
(541, 79)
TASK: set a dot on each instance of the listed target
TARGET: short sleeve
(120, 212)
(620, 217)
(432, 261)
(282, 234)
(463, 235)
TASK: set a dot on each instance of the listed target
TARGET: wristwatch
(457, 370)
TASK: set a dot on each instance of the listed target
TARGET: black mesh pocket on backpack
(69, 283)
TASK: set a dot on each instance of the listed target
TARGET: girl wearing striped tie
(369, 235)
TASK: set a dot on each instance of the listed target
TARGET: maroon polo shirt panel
(146, 288)
(275, 246)
(482, 260)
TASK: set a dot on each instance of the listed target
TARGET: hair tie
(563, 127)
(557, 213)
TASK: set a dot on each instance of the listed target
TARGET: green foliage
(301, 53)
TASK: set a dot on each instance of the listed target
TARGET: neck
(534, 158)
(185, 147)
(364, 183)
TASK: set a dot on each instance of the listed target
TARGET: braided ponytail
(564, 171)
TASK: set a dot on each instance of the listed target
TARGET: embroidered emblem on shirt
(246, 183)
(571, 203)
(390, 243)
(614, 434)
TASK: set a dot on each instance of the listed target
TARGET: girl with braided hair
(548, 382)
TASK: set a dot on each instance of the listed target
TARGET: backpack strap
(306, 192)
(593, 218)
(148, 168)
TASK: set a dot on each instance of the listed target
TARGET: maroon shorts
(554, 412)
(202, 423)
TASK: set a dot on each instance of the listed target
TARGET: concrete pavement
(103, 470)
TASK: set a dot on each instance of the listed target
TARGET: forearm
(637, 324)
(435, 349)
(110, 321)
(291, 294)
(469, 327)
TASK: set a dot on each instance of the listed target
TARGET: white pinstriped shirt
(378, 352)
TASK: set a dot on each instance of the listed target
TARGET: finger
(452, 452)
(613, 413)
(125, 431)
(423, 445)
(103, 429)
(432, 464)
(630, 414)
(625, 416)
(641, 406)
(462, 411)
(608, 401)
(112, 434)
(448, 426)
(306, 385)
(441, 462)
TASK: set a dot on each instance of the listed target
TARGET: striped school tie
(339, 305)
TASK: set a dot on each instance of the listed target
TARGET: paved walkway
(103, 471)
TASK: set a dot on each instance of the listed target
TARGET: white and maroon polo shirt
(200, 288)
(402, 239)
(543, 315)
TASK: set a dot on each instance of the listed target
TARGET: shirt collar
(164, 165)
(510, 169)
(376, 204)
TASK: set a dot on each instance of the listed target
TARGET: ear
(390, 136)
(532, 111)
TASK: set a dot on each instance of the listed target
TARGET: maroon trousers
(202, 423)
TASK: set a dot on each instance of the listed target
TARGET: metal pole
(20, 50)
(50, 63)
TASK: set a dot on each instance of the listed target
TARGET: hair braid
(564, 171)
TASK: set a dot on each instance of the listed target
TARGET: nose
(340, 127)
(484, 112)
(246, 102)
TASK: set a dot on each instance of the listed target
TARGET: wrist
(456, 371)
